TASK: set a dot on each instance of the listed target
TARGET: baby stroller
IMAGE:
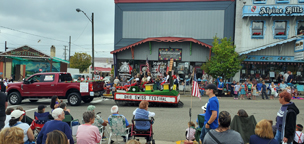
(148, 134)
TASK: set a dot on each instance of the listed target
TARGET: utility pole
(64, 53)
(4, 72)
(93, 46)
(70, 48)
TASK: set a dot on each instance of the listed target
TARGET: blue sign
(1, 73)
(270, 58)
(273, 10)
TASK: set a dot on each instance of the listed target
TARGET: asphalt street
(171, 122)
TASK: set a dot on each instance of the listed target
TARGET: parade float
(133, 93)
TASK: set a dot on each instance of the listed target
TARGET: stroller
(148, 134)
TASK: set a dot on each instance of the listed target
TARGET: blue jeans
(278, 137)
(202, 92)
(203, 133)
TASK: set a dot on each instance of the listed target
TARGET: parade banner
(148, 97)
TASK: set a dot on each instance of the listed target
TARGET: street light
(92, 21)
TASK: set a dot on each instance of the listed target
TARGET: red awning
(163, 39)
(102, 69)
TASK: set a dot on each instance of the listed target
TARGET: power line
(82, 31)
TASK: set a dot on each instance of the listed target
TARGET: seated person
(190, 131)
(41, 117)
(143, 113)
(283, 86)
(114, 112)
(98, 119)
(25, 118)
(8, 115)
(263, 134)
(295, 94)
(66, 111)
(203, 114)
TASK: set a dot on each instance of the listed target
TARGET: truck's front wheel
(14, 98)
(87, 99)
(74, 99)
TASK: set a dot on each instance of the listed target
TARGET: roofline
(162, 39)
(163, 1)
(29, 47)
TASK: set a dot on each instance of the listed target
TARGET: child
(254, 92)
(243, 92)
(236, 90)
(288, 89)
(273, 90)
(190, 135)
(295, 94)
(264, 91)
(299, 136)
(249, 89)
(66, 111)
(40, 118)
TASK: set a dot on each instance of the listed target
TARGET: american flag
(195, 90)
(147, 64)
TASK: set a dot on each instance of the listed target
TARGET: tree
(81, 61)
(112, 70)
(225, 62)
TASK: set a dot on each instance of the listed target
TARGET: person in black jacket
(286, 119)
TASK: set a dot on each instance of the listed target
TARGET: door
(30, 89)
(47, 85)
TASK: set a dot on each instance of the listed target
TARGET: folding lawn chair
(198, 131)
(118, 127)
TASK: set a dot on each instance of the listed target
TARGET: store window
(257, 29)
(282, 1)
(270, 71)
(259, 1)
(280, 29)
(301, 1)
(300, 27)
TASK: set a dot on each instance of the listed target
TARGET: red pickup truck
(46, 85)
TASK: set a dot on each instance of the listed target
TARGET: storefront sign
(299, 45)
(273, 10)
(270, 58)
(299, 56)
(167, 54)
(25, 51)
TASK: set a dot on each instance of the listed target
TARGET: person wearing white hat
(16, 117)
(203, 114)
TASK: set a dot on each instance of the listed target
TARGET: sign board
(299, 45)
(299, 56)
(273, 10)
(84, 87)
(25, 51)
(167, 54)
(1, 73)
(256, 58)
(49, 78)
(150, 98)
(271, 74)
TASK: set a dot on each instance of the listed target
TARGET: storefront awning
(268, 45)
(162, 39)
(273, 10)
(102, 69)
(56, 59)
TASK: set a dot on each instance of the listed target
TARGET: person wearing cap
(299, 136)
(3, 106)
(212, 111)
(98, 119)
(16, 117)
(203, 114)
(56, 124)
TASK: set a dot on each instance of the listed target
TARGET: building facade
(270, 34)
(155, 31)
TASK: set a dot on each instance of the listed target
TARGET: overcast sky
(58, 20)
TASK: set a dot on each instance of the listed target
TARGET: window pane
(300, 27)
(259, 0)
(280, 28)
(257, 28)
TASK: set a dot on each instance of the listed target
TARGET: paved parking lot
(171, 122)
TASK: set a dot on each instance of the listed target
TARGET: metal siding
(182, 6)
(229, 21)
(287, 50)
(199, 53)
(144, 24)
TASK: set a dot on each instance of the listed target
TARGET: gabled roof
(268, 45)
(162, 39)
(25, 51)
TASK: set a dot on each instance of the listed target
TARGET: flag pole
(191, 91)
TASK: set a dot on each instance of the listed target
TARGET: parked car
(46, 85)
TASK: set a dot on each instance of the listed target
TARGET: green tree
(112, 70)
(81, 61)
(225, 62)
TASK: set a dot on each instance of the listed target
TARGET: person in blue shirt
(56, 124)
(283, 86)
(212, 111)
(114, 111)
(264, 90)
(220, 86)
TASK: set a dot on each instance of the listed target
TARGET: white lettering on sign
(84, 87)
(145, 97)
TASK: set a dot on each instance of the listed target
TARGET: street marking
(13, 106)
(100, 100)
(31, 110)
